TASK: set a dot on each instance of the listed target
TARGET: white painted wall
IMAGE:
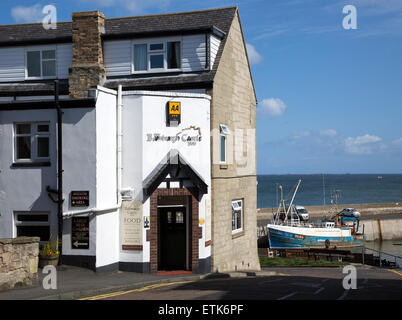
(24, 189)
(79, 165)
(106, 149)
(107, 238)
(214, 43)
(89, 163)
(144, 113)
(107, 223)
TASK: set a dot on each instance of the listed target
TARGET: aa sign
(174, 113)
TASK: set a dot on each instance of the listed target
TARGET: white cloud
(366, 144)
(253, 55)
(23, 14)
(274, 106)
(302, 134)
(397, 142)
(329, 133)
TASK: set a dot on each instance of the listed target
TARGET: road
(286, 284)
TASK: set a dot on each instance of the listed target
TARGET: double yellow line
(397, 272)
(152, 286)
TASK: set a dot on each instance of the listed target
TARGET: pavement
(75, 283)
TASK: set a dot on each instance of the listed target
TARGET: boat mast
(281, 205)
(291, 202)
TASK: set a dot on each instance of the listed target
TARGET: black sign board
(80, 233)
(79, 198)
(173, 113)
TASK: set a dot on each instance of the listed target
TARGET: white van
(302, 213)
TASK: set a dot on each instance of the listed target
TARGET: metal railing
(397, 260)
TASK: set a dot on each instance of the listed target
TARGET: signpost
(80, 233)
(79, 198)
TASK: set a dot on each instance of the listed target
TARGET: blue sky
(330, 99)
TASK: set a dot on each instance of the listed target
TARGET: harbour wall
(387, 229)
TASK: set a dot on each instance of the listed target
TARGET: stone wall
(18, 261)
(234, 104)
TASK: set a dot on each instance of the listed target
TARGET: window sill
(223, 166)
(238, 234)
(31, 164)
(156, 71)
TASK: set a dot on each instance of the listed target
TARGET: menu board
(80, 233)
(131, 225)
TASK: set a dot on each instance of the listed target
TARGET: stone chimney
(88, 69)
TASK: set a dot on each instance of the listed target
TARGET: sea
(320, 189)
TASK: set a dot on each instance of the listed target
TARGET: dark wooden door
(172, 241)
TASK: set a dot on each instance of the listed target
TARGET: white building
(145, 184)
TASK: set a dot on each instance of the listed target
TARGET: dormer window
(40, 63)
(157, 56)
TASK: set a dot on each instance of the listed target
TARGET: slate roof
(218, 20)
(116, 27)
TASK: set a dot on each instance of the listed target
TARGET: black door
(172, 240)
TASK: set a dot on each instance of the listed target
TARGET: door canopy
(174, 165)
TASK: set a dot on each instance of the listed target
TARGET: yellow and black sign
(173, 112)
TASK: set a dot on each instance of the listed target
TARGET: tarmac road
(288, 284)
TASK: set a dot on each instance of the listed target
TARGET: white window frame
(224, 132)
(156, 52)
(35, 134)
(235, 203)
(32, 223)
(40, 49)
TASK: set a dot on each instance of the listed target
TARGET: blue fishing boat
(287, 231)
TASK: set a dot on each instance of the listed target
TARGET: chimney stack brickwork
(88, 69)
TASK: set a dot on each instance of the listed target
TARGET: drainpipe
(119, 142)
(59, 169)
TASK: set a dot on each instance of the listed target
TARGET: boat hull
(287, 237)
